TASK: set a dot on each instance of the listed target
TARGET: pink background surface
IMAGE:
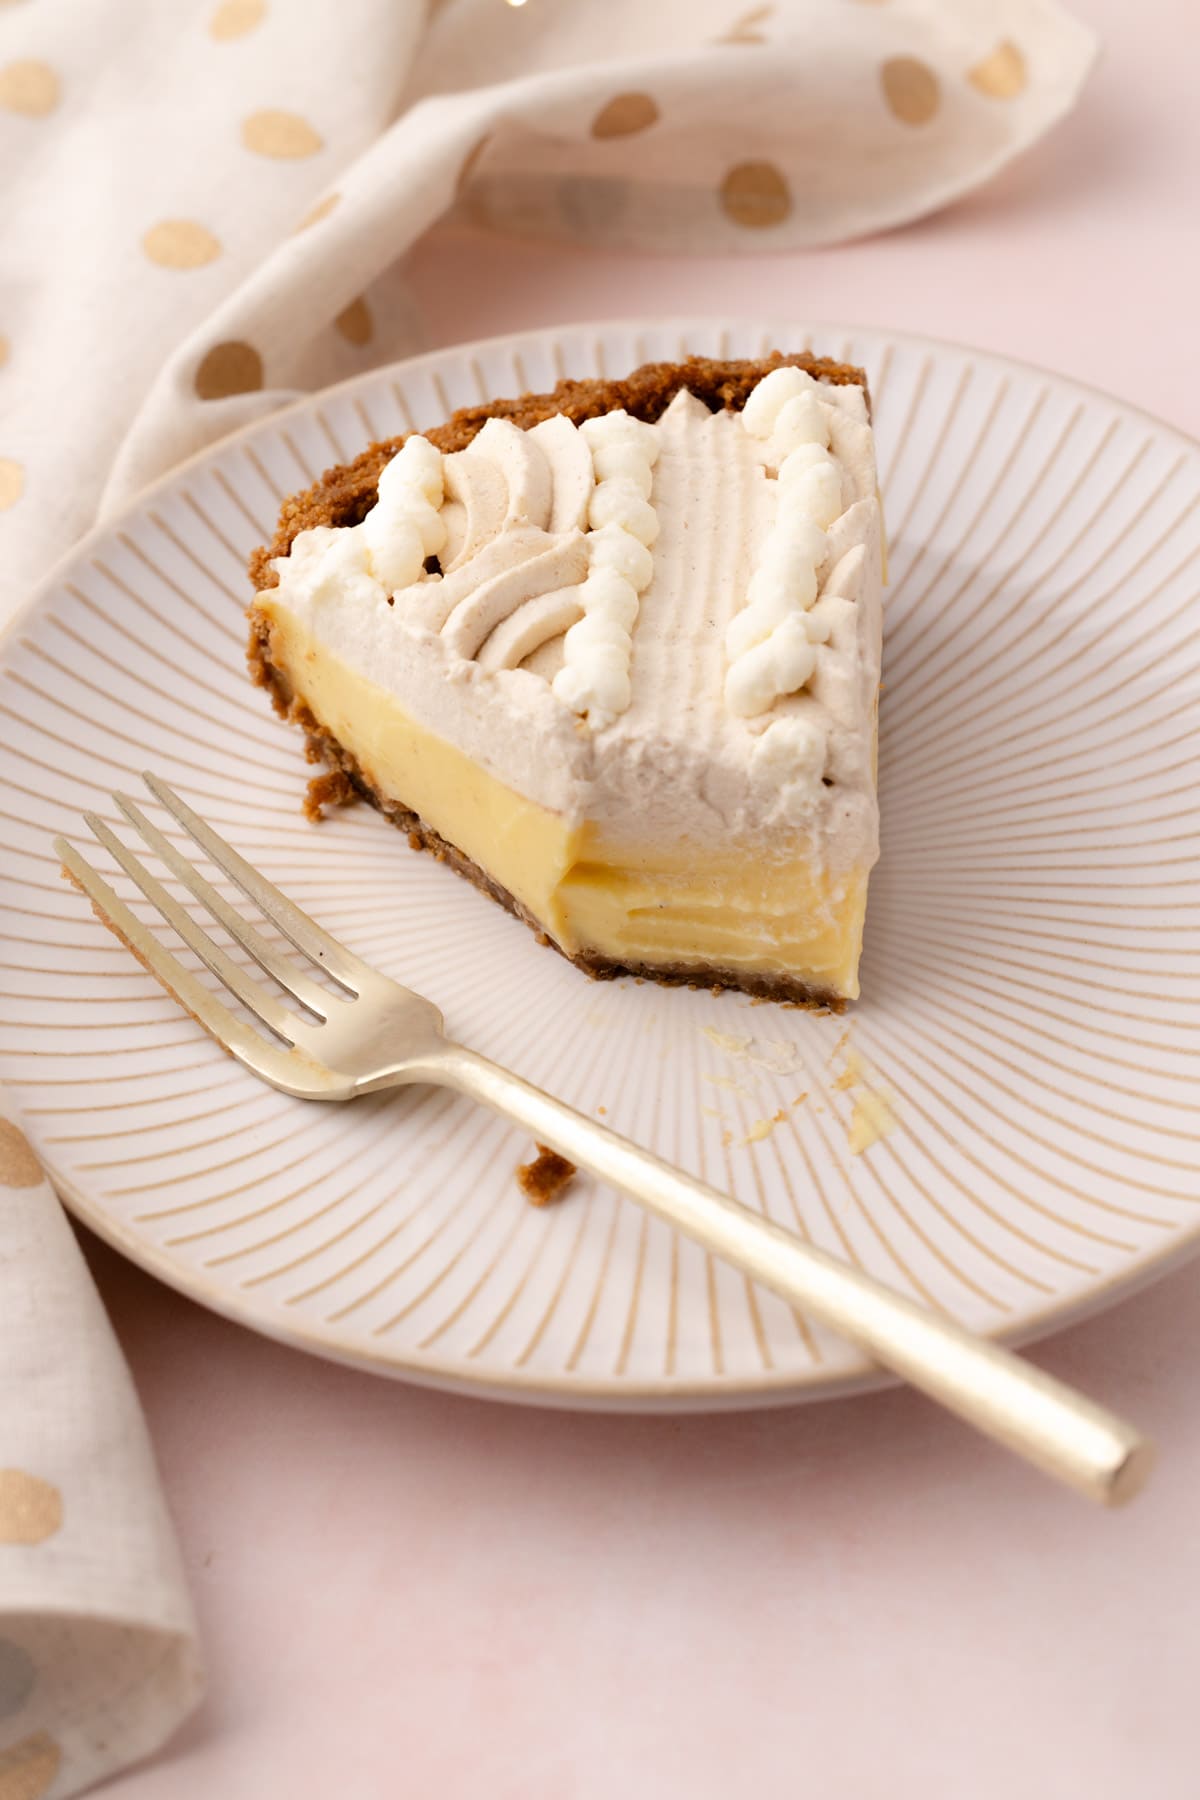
(404, 1593)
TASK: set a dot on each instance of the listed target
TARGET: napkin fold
(207, 206)
(98, 1655)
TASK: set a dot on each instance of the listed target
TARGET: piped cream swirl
(386, 550)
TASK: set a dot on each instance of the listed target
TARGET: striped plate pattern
(1006, 1126)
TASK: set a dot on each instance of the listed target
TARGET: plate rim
(692, 321)
(612, 1394)
(769, 1388)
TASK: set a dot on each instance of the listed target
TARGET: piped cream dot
(320, 211)
(17, 1678)
(229, 368)
(235, 18)
(1002, 75)
(12, 482)
(911, 89)
(30, 88)
(28, 1768)
(19, 1167)
(355, 323)
(756, 194)
(625, 114)
(284, 134)
(31, 1509)
(180, 244)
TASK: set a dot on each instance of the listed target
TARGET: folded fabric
(98, 1657)
(210, 200)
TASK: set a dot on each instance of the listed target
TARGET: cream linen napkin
(98, 1660)
(206, 205)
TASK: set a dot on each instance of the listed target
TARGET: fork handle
(1059, 1430)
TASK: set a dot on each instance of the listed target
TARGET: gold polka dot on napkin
(31, 1510)
(12, 482)
(19, 1167)
(747, 28)
(910, 88)
(180, 244)
(1001, 75)
(30, 88)
(625, 114)
(229, 368)
(284, 134)
(320, 211)
(354, 322)
(27, 1770)
(756, 194)
(234, 18)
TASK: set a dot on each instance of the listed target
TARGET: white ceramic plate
(1030, 980)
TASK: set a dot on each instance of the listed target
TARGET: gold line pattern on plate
(952, 495)
(1029, 940)
(1042, 668)
(1087, 706)
(176, 589)
(960, 691)
(1103, 1143)
(185, 550)
(336, 444)
(1089, 1049)
(368, 424)
(535, 1026)
(262, 534)
(307, 474)
(89, 606)
(218, 536)
(407, 422)
(914, 638)
(443, 1104)
(935, 451)
(264, 475)
(906, 436)
(1017, 1193)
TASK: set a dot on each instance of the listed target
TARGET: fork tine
(252, 994)
(232, 1033)
(304, 932)
(310, 993)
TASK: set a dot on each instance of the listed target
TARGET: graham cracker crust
(344, 495)
(546, 1179)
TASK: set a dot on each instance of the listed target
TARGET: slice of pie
(613, 654)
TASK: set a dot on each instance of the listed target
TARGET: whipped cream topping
(473, 653)
(772, 641)
(405, 525)
(594, 678)
(506, 518)
(387, 550)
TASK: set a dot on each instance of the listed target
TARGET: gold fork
(372, 1033)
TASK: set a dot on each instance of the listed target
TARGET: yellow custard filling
(669, 906)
